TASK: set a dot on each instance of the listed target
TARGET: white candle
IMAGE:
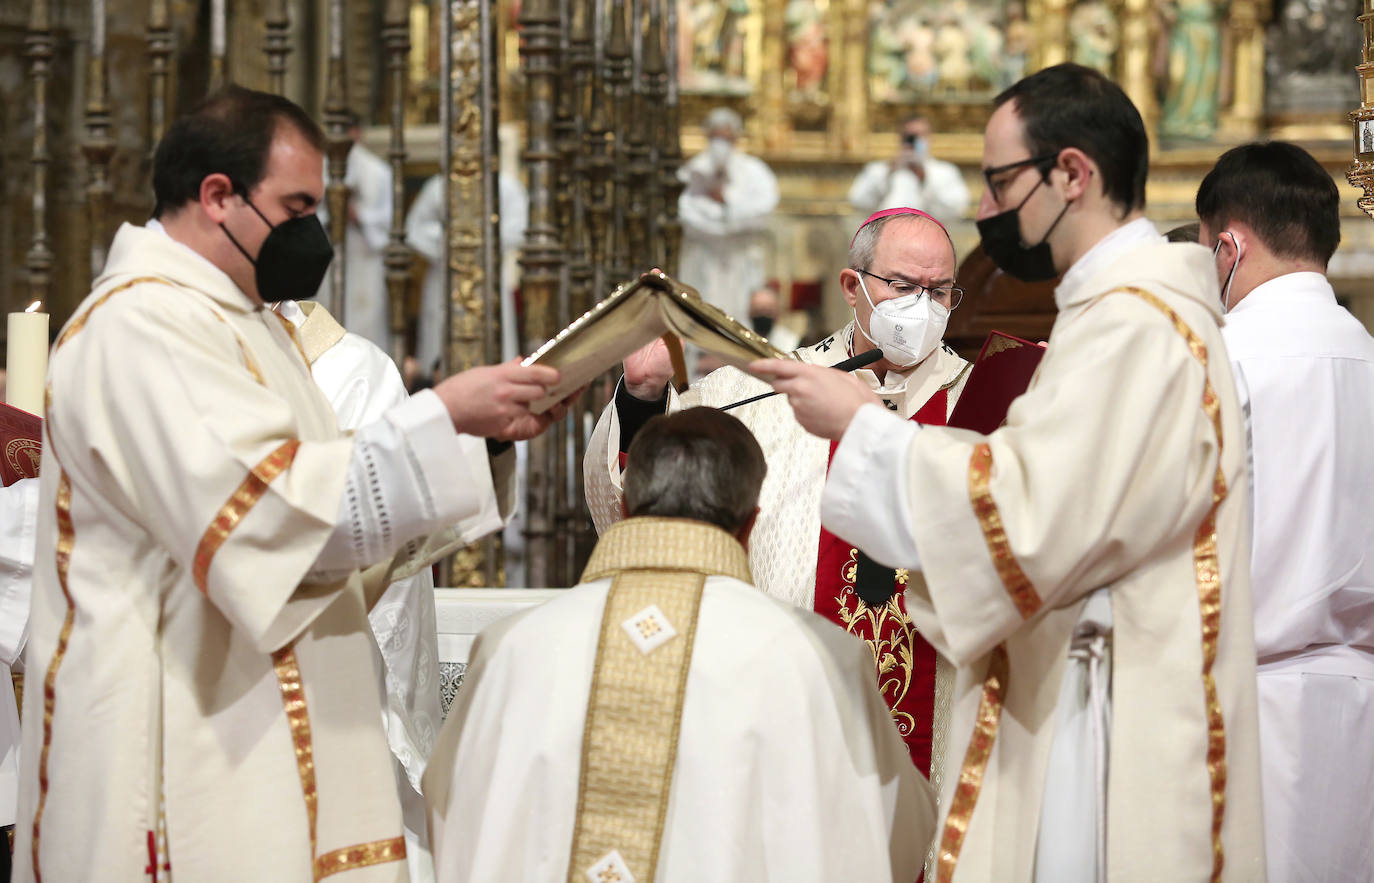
(217, 28)
(26, 359)
(97, 28)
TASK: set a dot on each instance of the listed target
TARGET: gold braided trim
(291, 333)
(66, 539)
(240, 502)
(1014, 579)
(659, 544)
(363, 855)
(1207, 567)
(288, 672)
(975, 763)
(968, 366)
(75, 326)
(243, 350)
(318, 332)
(634, 715)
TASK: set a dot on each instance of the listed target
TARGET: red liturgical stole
(904, 664)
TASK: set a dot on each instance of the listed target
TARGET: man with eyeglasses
(900, 285)
(1086, 566)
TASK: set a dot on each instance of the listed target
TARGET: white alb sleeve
(411, 473)
(18, 529)
(866, 497)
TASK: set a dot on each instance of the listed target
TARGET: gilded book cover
(638, 311)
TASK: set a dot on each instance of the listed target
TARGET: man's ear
(216, 191)
(849, 284)
(1078, 172)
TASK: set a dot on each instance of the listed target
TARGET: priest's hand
(824, 400)
(493, 401)
(648, 370)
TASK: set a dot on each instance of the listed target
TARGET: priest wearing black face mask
(220, 540)
(1086, 566)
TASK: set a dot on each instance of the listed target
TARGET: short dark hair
(699, 463)
(1184, 233)
(1069, 105)
(1279, 191)
(228, 133)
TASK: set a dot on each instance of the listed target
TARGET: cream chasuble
(1122, 468)
(201, 709)
(664, 720)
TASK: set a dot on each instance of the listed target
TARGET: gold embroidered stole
(634, 709)
(318, 332)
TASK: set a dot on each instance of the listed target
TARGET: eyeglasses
(949, 298)
(1041, 162)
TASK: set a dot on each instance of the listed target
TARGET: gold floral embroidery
(1207, 567)
(892, 655)
(361, 856)
(244, 498)
(1014, 579)
(975, 763)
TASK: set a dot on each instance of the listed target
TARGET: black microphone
(853, 363)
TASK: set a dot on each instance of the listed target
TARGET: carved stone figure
(808, 47)
(1095, 35)
(1193, 75)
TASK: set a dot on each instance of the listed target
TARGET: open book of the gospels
(654, 305)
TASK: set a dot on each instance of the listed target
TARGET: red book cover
(1001, 372)
(21, 437)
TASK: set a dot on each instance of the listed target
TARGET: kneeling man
(666, 720)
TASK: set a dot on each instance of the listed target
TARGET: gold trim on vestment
(240, 502)
(66, 539)
(363, 855)
(975, 763)
(319, 332)
(634, 706)
(652, 543)
(957, 377)
(243, 350)
(634, 715)
(288, 673)
(1206, 564)
(1014, 579)
(80, 321)
(291, 333)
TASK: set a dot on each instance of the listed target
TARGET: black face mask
(293, 259)
(1002, 242)
(763, 325)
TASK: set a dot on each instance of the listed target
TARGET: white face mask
(907, 328)
(719, 149)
